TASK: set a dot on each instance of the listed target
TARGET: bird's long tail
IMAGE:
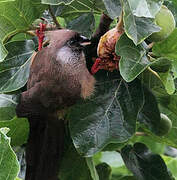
(45, 142)
(44, 148)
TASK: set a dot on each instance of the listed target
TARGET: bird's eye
(72, 41)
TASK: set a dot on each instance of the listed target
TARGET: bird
(58, 79)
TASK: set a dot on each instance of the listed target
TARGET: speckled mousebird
(58, 78)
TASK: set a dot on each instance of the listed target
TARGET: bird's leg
(40, 35)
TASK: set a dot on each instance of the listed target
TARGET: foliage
(114, 134)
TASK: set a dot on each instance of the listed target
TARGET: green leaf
(3, 52)
(9, 166)
(128, 178)
(137, 28)
(161, 65)
(19, 129)
(92, 168)
(168, 105)
(1, 1)
(7, 106)
(171, 164)
(104, 171)
(108, 117)
(145, 8)
(84, 24)
(78, 8)
(150, 114)
(174, 69)
(14, 70)
(172, 6)
(120, 172)
(168, 82)
(56, 2)
(152, 81)
(112, 158)
(133, 58)
(17, 16)
(155, 147)
(167, 48)
(144, 164)
(73, 166)
(18, 178)
(113, 8)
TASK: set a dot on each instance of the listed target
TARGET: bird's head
(65, 37)
(68, 46)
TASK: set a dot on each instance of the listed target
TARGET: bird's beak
(84, 41)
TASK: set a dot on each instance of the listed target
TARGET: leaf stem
(140, 134)
(150, 45)
(120, 23)
(92, 168)
(153, 72)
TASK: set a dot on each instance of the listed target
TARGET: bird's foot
(40, 35)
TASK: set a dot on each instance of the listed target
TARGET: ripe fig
(164, 19)
(161, 65)
(165, 125)
(107, 58)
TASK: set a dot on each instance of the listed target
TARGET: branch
(103, 27)
(54, 18)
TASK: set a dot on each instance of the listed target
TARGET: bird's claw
(40, 35)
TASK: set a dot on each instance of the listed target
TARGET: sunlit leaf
(137, 28)
(133, 58)
(113, 7)
(56, 2)
(9, 166)
(167, 48)
(145, 8)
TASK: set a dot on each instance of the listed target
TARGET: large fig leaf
(113, 7)
(78, 8)
(84, 24)
(108, 117)
(16, 17)
(150, 114)
(145, 8)
(168, 47)
(14, 70)
(168, 81)
(73, 166)
(137, 28)
(133, 58)
(167, 104)
(9, 166)
(144, 164)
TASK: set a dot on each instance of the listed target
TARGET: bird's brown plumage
(58, 75)
(58, 78)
